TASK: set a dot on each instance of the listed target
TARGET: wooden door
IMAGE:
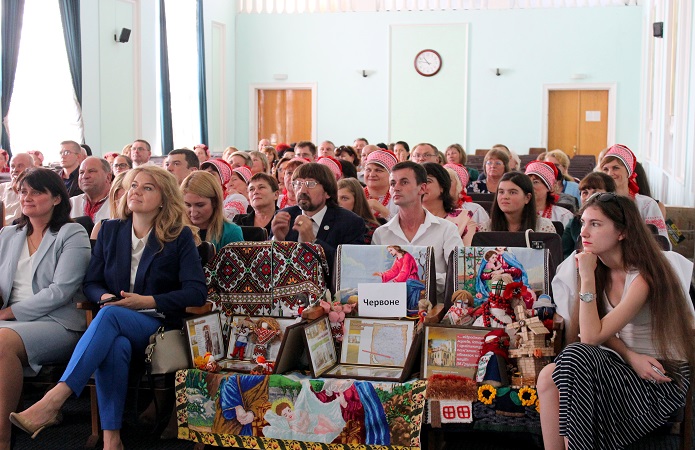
(578, 121)
(284, 115)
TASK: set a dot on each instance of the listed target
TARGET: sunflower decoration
(538, 406)
(486, 394)
(527, 396)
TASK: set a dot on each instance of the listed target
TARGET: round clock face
(428, 63)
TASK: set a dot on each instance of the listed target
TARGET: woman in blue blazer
(146, 267)
(44, 259)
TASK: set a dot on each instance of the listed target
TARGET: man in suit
(317, 218)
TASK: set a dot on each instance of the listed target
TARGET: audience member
(566, 184)
(259, 163)
(181, 163)
(514, 160)
(349, 154)
(263, 143)
(333, 164)
(543, 175)
(87, 149)
(358, 144)
(71, 155)
(306, 150)
(317, 217)
(284, 150)
(110, 156)
(121, 164)
(351, 197)
(636, 324)
(202, 152)
(39, 323)
(619, 162)
(327, 148)
(263, 195)
(377, 168)
(140, 153)
(366, 150)
(347, 168)
(496, 164)
(126, 150)
(203, 202)
(514, 207)
(423, 153)
(459, 180)
(440, 203)
(116, 192)
(594, 182)
(227, 154)
(288, 197)
(9, 191)
(234, 202)
(239, 159)
(4, 157)
(147, 287)
(455, 154)
(95, 182)
(402, 151)
(37, 156)
(644, 188)
(271, 155)
(413, 224)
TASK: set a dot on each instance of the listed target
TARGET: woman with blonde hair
(351, 196)
(227, 154)
(259, 162)
(144, 272)
(202, 197)
(567, 185)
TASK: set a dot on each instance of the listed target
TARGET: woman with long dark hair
(631, 369)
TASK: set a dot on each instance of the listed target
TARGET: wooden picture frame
(320, 346)
(451, 350)
(204, 335)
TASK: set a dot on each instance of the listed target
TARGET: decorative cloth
(629, 160)
(544, 170)
(464, 177)
(244, 172)
(385, 158)
(332, 164)
(223, 168)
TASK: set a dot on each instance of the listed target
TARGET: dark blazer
(173, 276)
(339, 226)
(246, 220)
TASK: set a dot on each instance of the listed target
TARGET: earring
(161, 206)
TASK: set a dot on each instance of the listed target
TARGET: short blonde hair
(262, 157)
(169, 221)
(205, 184)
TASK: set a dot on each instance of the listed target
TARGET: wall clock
(428, 63)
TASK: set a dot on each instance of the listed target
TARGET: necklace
(385, 198)
(32, 246)
(547, 212)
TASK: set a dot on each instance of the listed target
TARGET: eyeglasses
(605, 197)
(310, 184)
(494, 163)
(68, 153)
(421, 156)
(121, 166)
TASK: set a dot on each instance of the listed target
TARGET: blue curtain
(12, 15)
(167, 131)
(70, 18)
(202, 91)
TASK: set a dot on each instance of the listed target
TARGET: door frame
(253, 107)
(612, 89)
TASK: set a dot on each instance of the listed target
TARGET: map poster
(452, 350)
(376, 342)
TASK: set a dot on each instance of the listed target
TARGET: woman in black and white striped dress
(631, 369)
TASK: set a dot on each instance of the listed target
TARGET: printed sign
(382, 299)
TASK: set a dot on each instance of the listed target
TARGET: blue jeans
(105, 349)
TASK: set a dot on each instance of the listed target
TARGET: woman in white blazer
(43, 262)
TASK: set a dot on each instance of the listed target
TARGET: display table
(294, 411)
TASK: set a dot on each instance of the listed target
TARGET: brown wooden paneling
(593, 136)
(285, 113)
(563, 118)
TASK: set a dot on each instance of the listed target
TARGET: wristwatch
(587, 297)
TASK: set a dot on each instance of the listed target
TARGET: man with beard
(317, 218)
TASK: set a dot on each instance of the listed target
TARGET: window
(182, 42)
(43, 109)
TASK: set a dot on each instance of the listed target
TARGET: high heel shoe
(28, 427)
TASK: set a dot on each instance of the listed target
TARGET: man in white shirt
(95, 182)
(414, 225)
(140, 153)
(9, 192)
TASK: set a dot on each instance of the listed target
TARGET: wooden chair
(481, 151)
(536, 150)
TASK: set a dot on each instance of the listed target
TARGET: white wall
(532, 47)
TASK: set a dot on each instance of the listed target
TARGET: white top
(138, 247)
(434, 232)
(10, 199)
(650, 212)
(479, 214)
(543, 225)
(559, 214)
(149, 162)
(316, 220)
(637, 334)
(21, 285)
(78, 202)
(565, 283)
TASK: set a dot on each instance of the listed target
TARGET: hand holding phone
(106, 300)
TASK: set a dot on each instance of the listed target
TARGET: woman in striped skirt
(631, 369)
